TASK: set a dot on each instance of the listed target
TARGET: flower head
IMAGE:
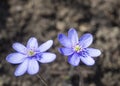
(77, 49)
(29, 56)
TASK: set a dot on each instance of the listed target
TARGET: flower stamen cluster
(31, 53)
(77, 48)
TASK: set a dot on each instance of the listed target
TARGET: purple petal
(66, 51)
(64, 40)
(73, 36)
(74, 59)
(32, 43)
(47, 57)
(45, 46)
(86, 40)
(15, 58)
(33, 66)
(88, 60)
(93, 52)
(19, 48)
(22, 68)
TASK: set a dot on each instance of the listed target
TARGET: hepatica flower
(77, 49)
(29, 56)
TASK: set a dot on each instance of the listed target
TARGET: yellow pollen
(77, 48)
(31, 53)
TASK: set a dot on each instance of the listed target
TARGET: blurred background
(44, 19)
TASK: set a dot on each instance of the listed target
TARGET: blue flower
(77, 49)
(29, 56)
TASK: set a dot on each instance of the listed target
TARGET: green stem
(42, 79)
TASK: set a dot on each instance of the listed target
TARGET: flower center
(77, 48)
(31, 53)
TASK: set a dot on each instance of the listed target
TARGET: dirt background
(44, 19)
